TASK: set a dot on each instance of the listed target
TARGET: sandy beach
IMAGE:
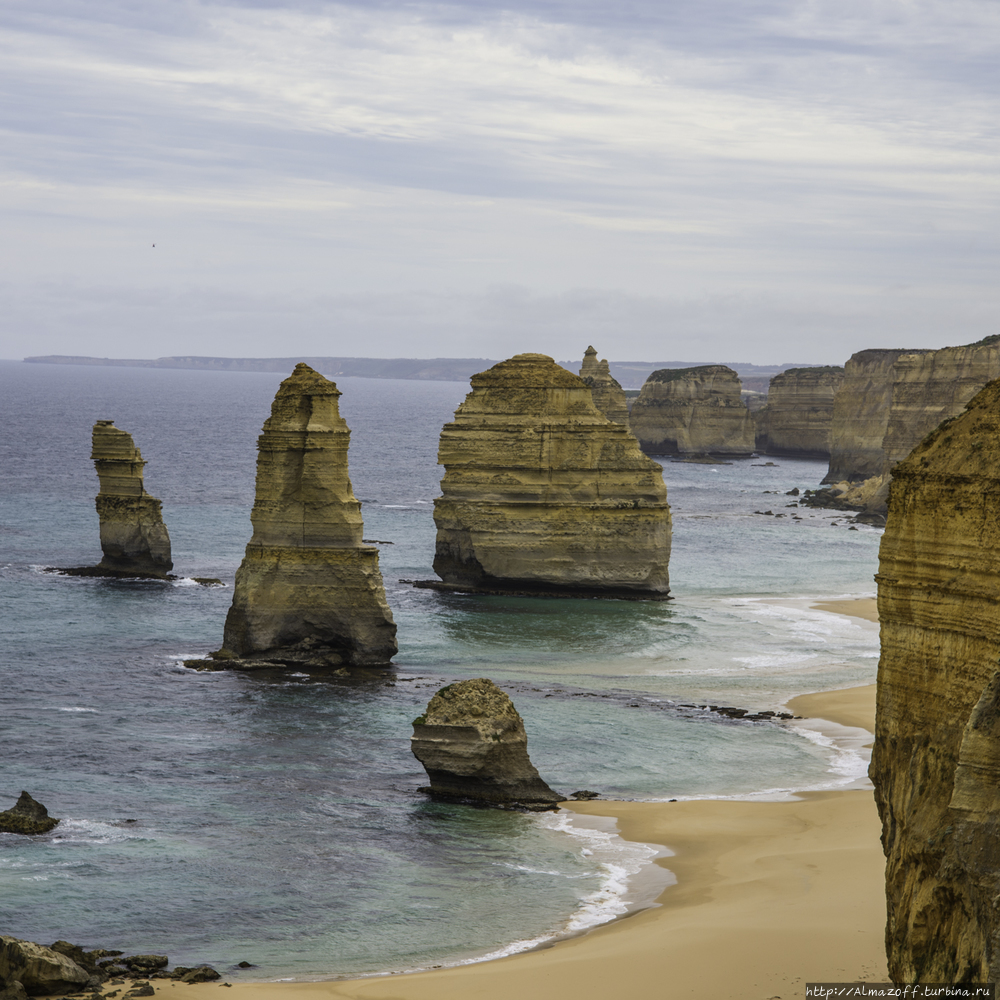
(769, 896)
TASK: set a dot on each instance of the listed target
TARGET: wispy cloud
(841, 154)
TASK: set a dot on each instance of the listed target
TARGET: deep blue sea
(227, 817)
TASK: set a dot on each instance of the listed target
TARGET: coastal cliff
(798, 415)
(308, 590)
(543, 494)
(134, 538)
(936, 762)
(692, 412)
(472, 743)
(609, 396)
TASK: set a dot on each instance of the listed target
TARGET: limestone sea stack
(308, 590)
(609, 396)
(542, 493)
(936, 762)
(797, 418)
(472, 743)
(134, 538)
(693, 412)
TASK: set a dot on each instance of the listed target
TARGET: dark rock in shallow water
(40, 970)
(473, 746)
(27, 816)
(201, 974)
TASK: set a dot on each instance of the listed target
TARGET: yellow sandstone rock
(308, 591)
(542, 493)
(609, 397)
(134, 538)
(936, 764)
(799, 412)
(693, 412)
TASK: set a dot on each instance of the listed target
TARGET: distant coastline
(630, 374)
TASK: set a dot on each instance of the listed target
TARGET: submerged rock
(308, 591)
(799, 413)
(609, 396)
(543, 494)
(27, 816)
(693, 411)
(134, 538)
(473, 746)
(40, 970)
(936, 762)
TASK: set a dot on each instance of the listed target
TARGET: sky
(765, 181)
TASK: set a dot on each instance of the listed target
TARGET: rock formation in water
(472, 743)
(542, 493)
(134, 538)
(799, 412)
(609, 396)
(27, 816)
(936, 763)
(308, 591)
(40, 970)
(693, 412)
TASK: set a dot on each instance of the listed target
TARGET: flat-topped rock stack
(936, 763)
(693, 412)
(609, 396)
(542, 493)
(799, 413)
(308, 591)
(134, 538)
(472, 743)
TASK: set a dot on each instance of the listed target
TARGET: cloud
(778, 152)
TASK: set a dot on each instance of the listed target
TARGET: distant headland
(630, 374)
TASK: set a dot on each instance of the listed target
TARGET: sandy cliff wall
(693, 411)
(936, 764)
(308, 590)
(542, 492)
(799, 413)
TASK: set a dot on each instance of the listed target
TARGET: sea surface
(275, 819)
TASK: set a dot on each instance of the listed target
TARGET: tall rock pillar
(609, 397)
(308, 591)
(134, 538)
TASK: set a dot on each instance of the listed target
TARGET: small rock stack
(609, 397)
(472, 743)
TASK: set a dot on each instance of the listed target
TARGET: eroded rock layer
(936, 763)
(308, 590)
(134, 538)
(472, 743)
(692, 412)
(609, 396)
(542, 493)
(797, 418)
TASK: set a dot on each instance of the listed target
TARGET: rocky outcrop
(472, 743)
(543, 494)
(40, 970)
(799, 413)
(693, 412)
(27, 816)
(134, 538)
(308, 591)
(609, 396)
(936, 763)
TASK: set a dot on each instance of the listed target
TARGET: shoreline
(769, 896)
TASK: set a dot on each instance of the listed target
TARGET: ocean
(275, 819)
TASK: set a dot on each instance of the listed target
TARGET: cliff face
(473, 746)
(936, 764)
(134, 538)
(542, 492)
(693, 411)
(799, 412)
(308, 591)
(609, 396)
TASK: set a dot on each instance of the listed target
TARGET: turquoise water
(276, 819)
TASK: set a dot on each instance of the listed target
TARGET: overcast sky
(747, 180)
